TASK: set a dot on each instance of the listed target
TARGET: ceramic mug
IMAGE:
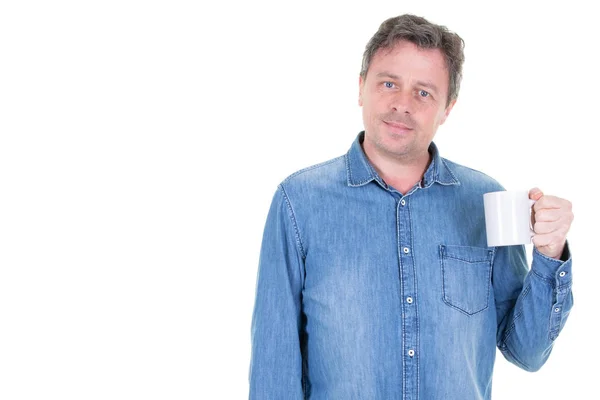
(508, 218)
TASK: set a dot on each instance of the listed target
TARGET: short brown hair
(425, 35)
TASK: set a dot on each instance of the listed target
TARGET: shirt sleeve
(276, 358)
(532, 305)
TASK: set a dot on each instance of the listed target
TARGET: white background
(141, 144)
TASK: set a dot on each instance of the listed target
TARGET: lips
(398, 127)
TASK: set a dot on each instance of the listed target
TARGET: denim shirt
(367, 293)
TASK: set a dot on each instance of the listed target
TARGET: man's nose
(403, 102)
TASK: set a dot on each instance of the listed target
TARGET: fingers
(548, 215)
(535, 193)
(550, 220)
(552, 202)
(542, 228)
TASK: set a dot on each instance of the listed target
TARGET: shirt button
(563, 273)
(557, 309)
(411, 352)
(409, 300)
(403, 202)
(406, 250)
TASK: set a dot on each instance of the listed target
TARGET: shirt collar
(360, 171)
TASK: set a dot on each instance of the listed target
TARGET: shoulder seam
(293, 219)
(312, 167)
(470, 169)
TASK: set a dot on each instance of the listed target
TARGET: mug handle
(531, 203)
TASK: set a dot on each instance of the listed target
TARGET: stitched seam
(293, 218)
(401, 299)
(493, 255)
(553, 332)
(476, 171)
(490, 253)
(554, 328)
(416, 302)
(351, 177)
(467, 260)
(311, 168)
(552, 260)
(523, 365)
(348, 171)
(516, 316)
(550, 281)
(456, 181)
(564, 288)
(456, 306)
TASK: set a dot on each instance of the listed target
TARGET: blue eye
(388, 84)
(423, 93)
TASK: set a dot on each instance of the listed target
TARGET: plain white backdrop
(141, 144)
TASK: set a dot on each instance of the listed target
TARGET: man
(375, 280)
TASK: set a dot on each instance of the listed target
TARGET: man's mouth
(398, 127)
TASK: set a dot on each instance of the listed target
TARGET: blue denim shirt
(367, 293)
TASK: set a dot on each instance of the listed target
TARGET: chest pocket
(466, 277)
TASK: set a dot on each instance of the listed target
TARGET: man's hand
(551, 219)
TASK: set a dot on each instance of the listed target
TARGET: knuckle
(541, 214)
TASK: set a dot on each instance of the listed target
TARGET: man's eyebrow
(387, 75)
(428, 85)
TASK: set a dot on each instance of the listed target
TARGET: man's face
(404, 100)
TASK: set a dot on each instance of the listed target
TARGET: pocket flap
(467, 253)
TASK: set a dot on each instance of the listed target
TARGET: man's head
(409, 82)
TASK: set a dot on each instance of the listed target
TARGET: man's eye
(388, 84)
(423, 93)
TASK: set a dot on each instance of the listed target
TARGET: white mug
(508, 218)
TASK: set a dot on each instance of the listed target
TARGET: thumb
(535, 194)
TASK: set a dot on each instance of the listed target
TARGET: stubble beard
(399, 148)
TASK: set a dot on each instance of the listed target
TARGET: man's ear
(361, 84)
(447, 111)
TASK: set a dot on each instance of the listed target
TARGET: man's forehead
(404, 45)
(385, 61)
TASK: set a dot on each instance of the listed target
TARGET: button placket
(409, 308)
